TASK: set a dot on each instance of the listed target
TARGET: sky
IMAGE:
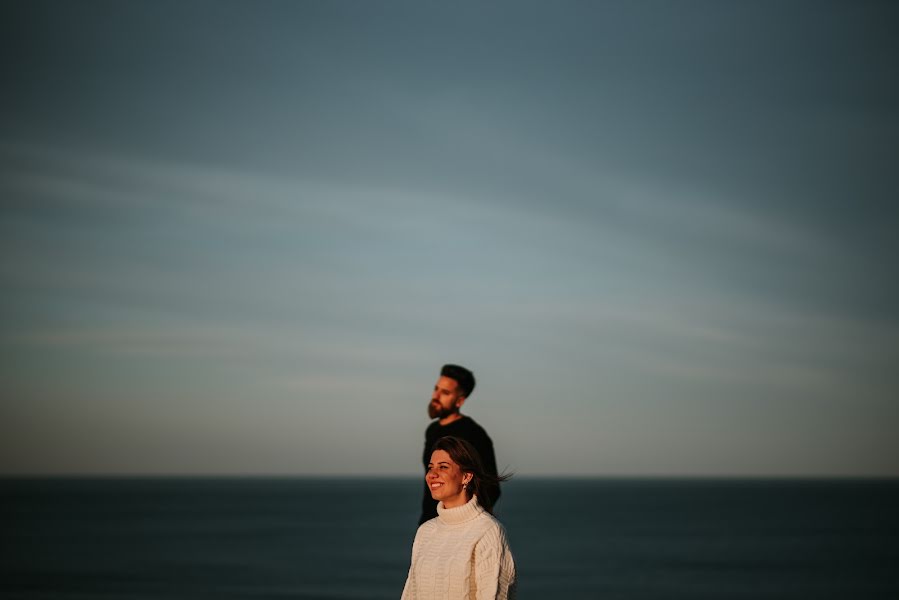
(241, 238)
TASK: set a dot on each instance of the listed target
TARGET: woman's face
(445, 480)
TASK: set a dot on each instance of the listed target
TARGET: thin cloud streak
(661, 237)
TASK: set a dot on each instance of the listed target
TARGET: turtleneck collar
(460, 514)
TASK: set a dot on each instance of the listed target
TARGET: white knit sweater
(460, 555)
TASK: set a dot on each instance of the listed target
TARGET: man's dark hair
(464, 378)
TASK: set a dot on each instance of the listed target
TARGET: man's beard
(437, 411)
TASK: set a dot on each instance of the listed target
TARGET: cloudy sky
(242, 237)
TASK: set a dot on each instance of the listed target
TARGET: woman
(463, 552)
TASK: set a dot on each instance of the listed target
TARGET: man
(453, 387)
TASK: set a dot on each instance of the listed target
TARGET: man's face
(446, 399)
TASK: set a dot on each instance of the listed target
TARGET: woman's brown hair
(463, 454)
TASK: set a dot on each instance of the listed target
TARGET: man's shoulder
(471, 426)
(465, 428)
(463, 425)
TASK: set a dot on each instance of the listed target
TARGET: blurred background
(241, 238)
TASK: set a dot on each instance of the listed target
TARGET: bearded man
(453, 387)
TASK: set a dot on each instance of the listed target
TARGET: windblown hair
(464, 454)
(463, 377)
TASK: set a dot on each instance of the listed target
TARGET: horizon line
(386, 476)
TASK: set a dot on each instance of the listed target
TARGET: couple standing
(460, 550)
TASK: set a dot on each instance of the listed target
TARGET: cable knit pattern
(461, 555)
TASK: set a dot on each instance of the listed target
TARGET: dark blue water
(342, 538)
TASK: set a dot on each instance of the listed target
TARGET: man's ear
(460, 401)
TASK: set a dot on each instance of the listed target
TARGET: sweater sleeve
(409, 587)
(494, 567)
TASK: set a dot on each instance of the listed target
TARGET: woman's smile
(446, 480)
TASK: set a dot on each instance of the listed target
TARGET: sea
(348, 538)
